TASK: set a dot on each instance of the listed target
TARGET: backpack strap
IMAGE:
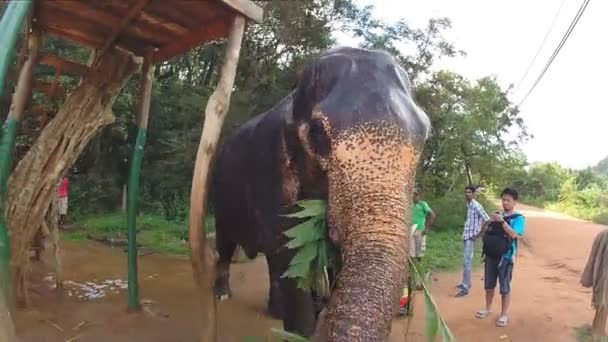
(512, 217)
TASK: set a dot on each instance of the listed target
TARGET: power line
(580, 12)
(542, 44)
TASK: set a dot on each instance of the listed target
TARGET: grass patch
(584, 334)
(152, 231)
(444, 251)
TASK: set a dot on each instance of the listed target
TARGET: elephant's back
(246, 176)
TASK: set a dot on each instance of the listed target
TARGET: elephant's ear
(304, 97)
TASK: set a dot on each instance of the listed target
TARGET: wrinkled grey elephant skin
(349, 133)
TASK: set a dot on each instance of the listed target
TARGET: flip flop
(481, 314)
(502, 321)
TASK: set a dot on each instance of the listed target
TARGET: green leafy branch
(315, 252)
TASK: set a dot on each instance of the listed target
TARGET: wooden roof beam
(128, 18)
(214, 30)
(66, 65)
(246, 8)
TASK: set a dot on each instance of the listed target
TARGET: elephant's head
(357, 133)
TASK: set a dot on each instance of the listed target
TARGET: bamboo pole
(19, 102)
(133, 189)
(202, 258)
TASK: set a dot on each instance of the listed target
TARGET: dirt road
(547, 303)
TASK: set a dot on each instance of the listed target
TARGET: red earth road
(548, 301)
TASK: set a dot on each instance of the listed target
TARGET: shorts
(417, 243)
(62, 205)
(498, 270)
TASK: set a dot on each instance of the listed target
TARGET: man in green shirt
(422, 219)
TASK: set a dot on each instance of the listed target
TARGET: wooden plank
(171, 13)
(47, 88)
(215, 30)
(68, 24)
(76, 37)
(150, 19)
(66, 65)
(80, 9)
(246, 8)
(124, 22)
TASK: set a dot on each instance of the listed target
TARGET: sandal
(481, 314)
(502, 321)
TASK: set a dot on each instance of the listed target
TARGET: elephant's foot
(275, 305)
(275, 309)
(222, 290)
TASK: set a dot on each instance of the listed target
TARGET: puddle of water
(90, 290)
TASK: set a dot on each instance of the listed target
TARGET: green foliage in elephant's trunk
(316, 253)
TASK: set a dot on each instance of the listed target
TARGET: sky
(565, 112)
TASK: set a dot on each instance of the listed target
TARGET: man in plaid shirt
(476, 219)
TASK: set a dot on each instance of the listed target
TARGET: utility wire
(580, 12)
(559, 10)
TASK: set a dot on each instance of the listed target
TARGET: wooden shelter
(116, 31)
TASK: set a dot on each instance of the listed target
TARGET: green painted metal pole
(133, 188)
(10, 25)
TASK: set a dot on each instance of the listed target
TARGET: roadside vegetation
(579, 193)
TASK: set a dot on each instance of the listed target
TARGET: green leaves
(434, 323)
(287, 336)
(312, 208)
(315, 252)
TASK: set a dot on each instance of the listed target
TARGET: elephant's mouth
(371, 175)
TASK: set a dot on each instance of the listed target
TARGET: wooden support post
(203, 264)
(19, 102)
(599, 321)
(133, 189)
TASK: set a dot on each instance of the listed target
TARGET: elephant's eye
(319, 141)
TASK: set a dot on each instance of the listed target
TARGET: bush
(444, 251)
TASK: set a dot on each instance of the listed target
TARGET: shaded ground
(547, 303)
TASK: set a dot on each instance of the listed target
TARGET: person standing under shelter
(422, 219)
(476, 219)
(62, 200)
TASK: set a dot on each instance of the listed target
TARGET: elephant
(350, 133)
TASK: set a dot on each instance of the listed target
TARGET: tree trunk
(53, 223)
(202, 256)
(467, 169)
(124, 199)
(87, 109)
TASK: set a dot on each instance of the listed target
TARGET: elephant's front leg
(298, 309)
(275, 302)
(225, 249)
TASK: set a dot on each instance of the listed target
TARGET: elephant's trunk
(367, 289)
(370, 184)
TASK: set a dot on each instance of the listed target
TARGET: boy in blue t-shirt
(501, 269)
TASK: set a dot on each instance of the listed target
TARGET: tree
(471, 123)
